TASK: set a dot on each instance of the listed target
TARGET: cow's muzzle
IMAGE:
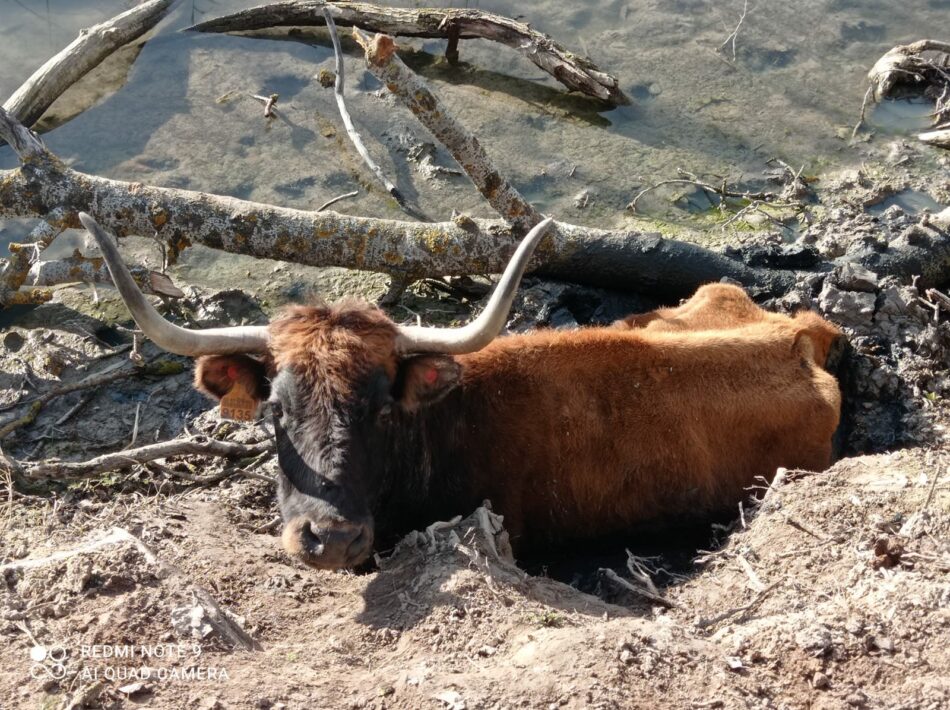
(328, 545)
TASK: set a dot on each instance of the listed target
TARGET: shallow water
(177, 112)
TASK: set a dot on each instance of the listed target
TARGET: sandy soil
(834, 594)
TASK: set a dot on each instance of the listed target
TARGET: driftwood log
(925, 66)
(85, 53)
(454, 24)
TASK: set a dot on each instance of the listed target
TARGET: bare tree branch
(86, 52)
(351, 131)
(61, 470)
(159, 367)
(465, 148)
(574, 72)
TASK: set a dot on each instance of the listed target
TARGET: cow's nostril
(328, 544)
(313, 538)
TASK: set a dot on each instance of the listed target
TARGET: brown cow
(570, 434)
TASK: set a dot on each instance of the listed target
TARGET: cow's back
(595, 431)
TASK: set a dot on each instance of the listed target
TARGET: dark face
(338, 400)
(330, 451)
(333, 453)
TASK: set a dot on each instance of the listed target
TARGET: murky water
(178, 113)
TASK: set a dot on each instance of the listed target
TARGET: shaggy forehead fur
(328, 347)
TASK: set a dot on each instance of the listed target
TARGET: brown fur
(578, 433)
(605, 428)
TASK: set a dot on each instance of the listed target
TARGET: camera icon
(48, 662)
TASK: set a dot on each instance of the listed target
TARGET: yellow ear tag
(238, 404)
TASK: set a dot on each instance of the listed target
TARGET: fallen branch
(86, 52)
(627, 260)
(65, 470)
(639, 591)
(93, 270)
(351, 131)
(504, 198)
(159, 367)
(900, 62)
(574, 72)
(734, 35)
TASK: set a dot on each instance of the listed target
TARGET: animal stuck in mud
(572, 435)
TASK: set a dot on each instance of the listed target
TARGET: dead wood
(86, 52)
(910, 66)
(504, 198)
(574, 72)
(627, 259)
(159, 367)
(351, 131)
(69, 470)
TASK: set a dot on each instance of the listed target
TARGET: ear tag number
(238, 404)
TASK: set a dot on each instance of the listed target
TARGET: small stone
(854, 277)
(856, 699)
(734, 663)
(852, 308)
(326, 78)
(626, 656)
(820, 681)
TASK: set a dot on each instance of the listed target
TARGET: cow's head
(339, 379)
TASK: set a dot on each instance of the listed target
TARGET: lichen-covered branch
(628, 260)
(574, 72)
(14, 272)
(465, 148)
(93, 270)
(87, 51)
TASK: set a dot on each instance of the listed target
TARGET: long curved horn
(168, 336)
(481, 331)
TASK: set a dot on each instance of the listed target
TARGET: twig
(465, 148)
(160, 367)
(868, 95)
(83, 401)
(735, 33)
(337, 199)
(638, 568)
(801, 526)
(930, 493)
(754, 580)
(639, 591)
(63, 470)
(351, 131)
(712, 621)
(777, 482)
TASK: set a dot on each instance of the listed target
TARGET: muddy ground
(165, 585)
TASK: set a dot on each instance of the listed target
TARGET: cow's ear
(425, 379)
(216, 375)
